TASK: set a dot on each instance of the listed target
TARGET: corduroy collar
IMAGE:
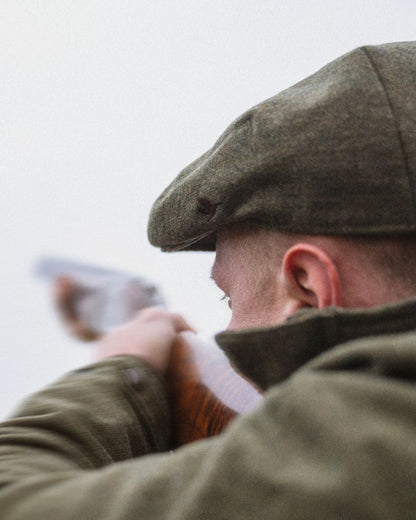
(269, 355)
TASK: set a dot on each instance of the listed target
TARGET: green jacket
(335, 436)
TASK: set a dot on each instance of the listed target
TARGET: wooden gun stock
(206, 393)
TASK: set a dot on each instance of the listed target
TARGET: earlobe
(311, 277)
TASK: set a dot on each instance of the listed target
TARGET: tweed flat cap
(334, 154)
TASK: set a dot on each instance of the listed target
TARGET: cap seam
(396, 123)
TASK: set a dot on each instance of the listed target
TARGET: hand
(150, 336)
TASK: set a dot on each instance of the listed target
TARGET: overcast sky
(102, 103)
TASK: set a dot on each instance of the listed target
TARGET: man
(309, 201)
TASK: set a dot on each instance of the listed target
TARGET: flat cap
(334, 154)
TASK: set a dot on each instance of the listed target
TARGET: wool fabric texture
(334, 154)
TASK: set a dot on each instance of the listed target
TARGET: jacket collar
(269, 355)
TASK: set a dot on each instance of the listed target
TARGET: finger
(156, 313)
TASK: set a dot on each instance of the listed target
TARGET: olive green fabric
(334, 154)
(305, 335)
(335, 438)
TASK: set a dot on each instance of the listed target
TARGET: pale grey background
(102, 103)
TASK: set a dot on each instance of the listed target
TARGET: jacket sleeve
(77, 450)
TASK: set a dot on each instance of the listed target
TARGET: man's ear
(310, 277)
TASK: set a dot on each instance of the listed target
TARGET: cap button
(207, 207)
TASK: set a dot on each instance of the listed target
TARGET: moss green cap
(334, 154)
